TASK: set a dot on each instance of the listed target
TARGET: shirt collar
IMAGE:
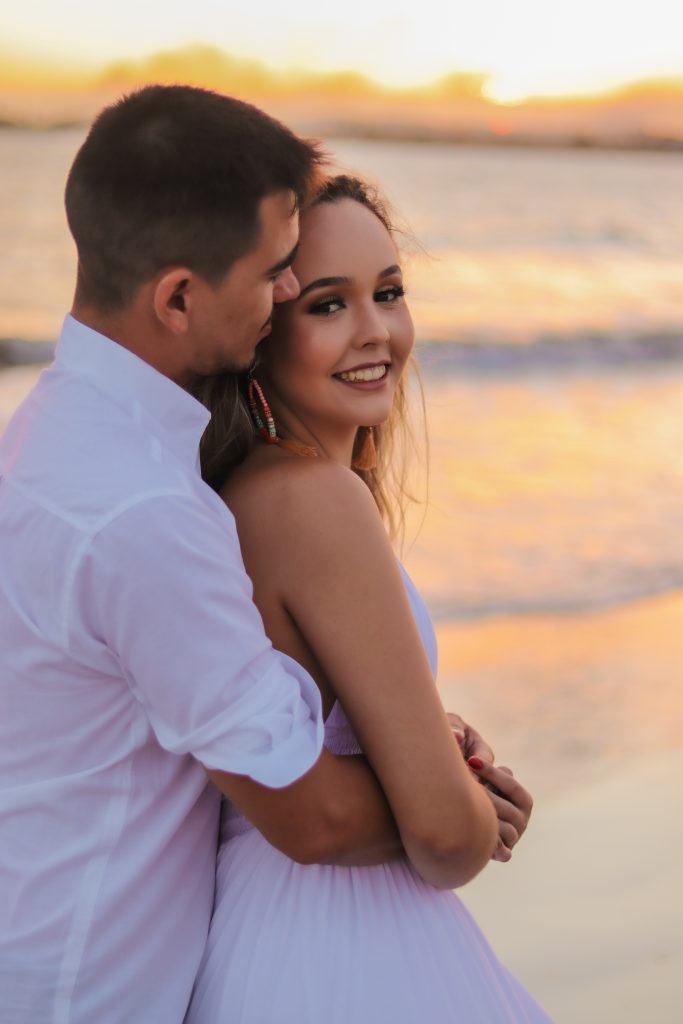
(151, 399)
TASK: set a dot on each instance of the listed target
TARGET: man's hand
(513, 804)
(469, 740)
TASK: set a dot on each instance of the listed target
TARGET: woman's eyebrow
(325, 282)
(393, 269)
(331, 282)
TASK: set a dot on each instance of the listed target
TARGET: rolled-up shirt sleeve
(161, 587)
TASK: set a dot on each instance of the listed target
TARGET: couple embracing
(160, 703)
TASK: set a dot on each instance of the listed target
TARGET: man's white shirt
(132, 655)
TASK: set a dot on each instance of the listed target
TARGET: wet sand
(588, 912)
(563, 693)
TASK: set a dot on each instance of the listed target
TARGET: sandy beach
(588, 912)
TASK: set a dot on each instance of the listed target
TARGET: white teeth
(371, 373)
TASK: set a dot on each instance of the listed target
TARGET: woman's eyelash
(324, 306)
(396, 291)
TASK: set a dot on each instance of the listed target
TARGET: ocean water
(548, 302)
(524, 245)
(518, 245)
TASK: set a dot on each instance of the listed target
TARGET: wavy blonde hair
(231, 433)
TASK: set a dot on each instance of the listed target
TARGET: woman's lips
(364, 375)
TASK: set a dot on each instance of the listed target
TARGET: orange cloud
(454, 107)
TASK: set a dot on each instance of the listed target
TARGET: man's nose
(286, 287)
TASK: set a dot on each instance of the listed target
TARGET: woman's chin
(373, 409)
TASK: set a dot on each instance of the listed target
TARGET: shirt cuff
(273, 734)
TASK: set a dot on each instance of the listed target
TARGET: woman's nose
(372, 327)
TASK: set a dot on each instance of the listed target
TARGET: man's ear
(171, 298)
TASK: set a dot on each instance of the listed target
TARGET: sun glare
(530, 47)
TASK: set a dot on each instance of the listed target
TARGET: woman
(306, 944)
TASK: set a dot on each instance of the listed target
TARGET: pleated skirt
(319, 944)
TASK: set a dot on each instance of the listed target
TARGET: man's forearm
(336, 813)
(362, 828)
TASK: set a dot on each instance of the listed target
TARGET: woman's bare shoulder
(292, 487)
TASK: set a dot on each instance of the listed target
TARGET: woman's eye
(324, 307)
(390, 294)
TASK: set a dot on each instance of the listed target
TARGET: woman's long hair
(231, 432)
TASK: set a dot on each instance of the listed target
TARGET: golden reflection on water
(518, 295)
(552, 492)
(555, 512)
(556, 694)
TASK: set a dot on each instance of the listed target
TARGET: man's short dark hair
(174, 175)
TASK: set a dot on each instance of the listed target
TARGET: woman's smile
(368, 377)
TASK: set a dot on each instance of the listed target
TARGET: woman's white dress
(319, 944)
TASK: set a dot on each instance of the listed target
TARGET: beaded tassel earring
(366, 455)
(263, 417)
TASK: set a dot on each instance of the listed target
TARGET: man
(134, 660)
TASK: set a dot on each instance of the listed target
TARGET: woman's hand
(512, 802)
(469, 740)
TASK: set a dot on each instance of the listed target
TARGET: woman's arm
(321, 536)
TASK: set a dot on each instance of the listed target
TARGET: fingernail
(476, 763)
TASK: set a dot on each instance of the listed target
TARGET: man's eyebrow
(331, 282)
(277, 268)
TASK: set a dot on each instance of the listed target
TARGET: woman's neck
(331, 440)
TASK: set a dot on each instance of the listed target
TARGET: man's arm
(336, 813)
(161, 592)
(163, 588)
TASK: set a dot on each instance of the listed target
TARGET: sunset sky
(527, 47)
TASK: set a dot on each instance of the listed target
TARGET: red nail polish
(476, 763)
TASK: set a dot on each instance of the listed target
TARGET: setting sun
(527, 48)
